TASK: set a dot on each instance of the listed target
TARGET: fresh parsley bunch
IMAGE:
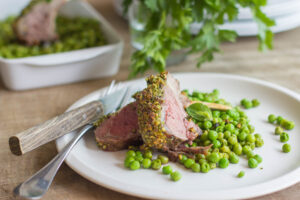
(168, 28)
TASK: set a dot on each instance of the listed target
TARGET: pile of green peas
(135, 160)
(282, 124)
(230, 134)
(74, 33)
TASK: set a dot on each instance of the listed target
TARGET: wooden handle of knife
(58, 126)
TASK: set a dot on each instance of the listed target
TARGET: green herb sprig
(168, 28)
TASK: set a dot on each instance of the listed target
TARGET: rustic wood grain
(56, 127)
(22, 110)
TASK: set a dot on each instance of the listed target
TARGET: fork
(38, 184)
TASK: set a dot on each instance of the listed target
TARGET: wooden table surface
(21, 110)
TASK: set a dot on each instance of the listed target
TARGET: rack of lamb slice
(37, 23)
(157, 119)
(118, 130)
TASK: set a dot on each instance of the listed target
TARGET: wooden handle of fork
(58, 126)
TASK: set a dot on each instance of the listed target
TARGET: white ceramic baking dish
(61, 68)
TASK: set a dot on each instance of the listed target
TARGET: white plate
(280, 170)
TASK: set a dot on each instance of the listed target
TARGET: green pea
(216, 144)
(241, 174)
(148, 154)
(195, 167)
(243, 101)
(188, 163)
(229, 127)
(233, 158)
(208, 99)
(207, 142)
(220, 128)
(289, 125)
(235, 132)
(207, 124)
(251, 128)
(279, 119)
(242, 136)
(223, 163)
(156, 164)
(128, 160)
(225, 149)
(252, 146)
(216, 113)
(163, 159)
(243, 143)
(259, 142)
(182, 158)
(139, 157)
(232, 140)
(227, 134)
(237, 149)
(216, 92)
(216, 150)
(220, 135)
(200, 156)
(258, 158)
(204, 136)
(286, 148)
(245, 129)
(202, 160)
(224, 116)
(283, 123)
(138, 153)
(257, 135)
(247, 104)
(246, 149)
(200, 124)
(250, 138)
(232, 113)
(212, 165)
(252, 163)
(212, 135)
(167, 169)
(278, 130)
(130, 153)
(284, 137)
(146, 163)
(135, 165)
(175, 176)
(205, 167)
(271, 118)
(255, 102)
(214, 157)
(224, 142)
(250, 154)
